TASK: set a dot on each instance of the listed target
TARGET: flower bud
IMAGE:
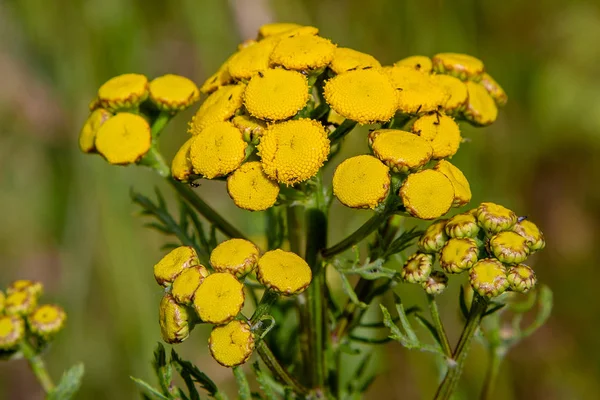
(181, 166)
(533, 235)
(462, 189)
(123, 92)
(173, 92)
(236, 256)
(87, 137)
(420, 63)
(434, 237)
(219, 298)
(462, 66)
(495, 218)
(417, 268)
(494, 89)
(123, 139)
(174, 319)
(283, 272)
(20, 303)
(459, 255)
(46, 320)
(12, 331)
(436, 283)
(481, 109)
(34, 287)
(521, 278)
(462, 226)
(488, 278)
(252, 129)
(509, 247)
(231, 344)
(174, 263)
(185, 285)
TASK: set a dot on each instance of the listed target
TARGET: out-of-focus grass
(67, 220)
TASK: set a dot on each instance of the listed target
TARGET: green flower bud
(459, 255)
(47, 320)
(20, 303)
(12, 331)
(488, 278)
(174, 319)
(185, 285)
(495, 218)
(434, 237)
(171, 265)
(530, 231)
(417, 268)
(34, 287)
(509, 247)
(436, 283)
(462, 226)
(521, 278)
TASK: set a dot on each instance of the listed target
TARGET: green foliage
(69, 384)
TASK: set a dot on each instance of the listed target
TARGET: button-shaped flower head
(346, 59)
(427, 194)
(185, 285)
(521, 278)
(481, 108)
(123, 139)
(416, 91)
(174, 263)
(303, 52)
(457, 91)
(462, 66)
(441, 131)
(363, 95)
(494, 89)
(283, 272)
(417, 268)
(173, 92)
(87, 137)
(46, 320)
(276, 94)
(495, 218)
(218, 150)
(533, 235)
(462, 226)
(123, 92)
(34, 287)
(236, 256)
(436, 283)
(361, 182)
(251, 189)
(251, 60)
(458, 255)
(218, 107)
(462, 189)
(181, 166)
(12, 331)
(420, 63)
(276, 28)
(219, 298)
(220, 78)
(174, 319)
(20, 302)
(509, 247)
(400, 150)
(488, 278)
(293, 151)
(231, 344)
(434, 237)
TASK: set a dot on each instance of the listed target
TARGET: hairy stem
(277, 369)
(243, 386)
(439, 327)
(37, 366)
(268, 299)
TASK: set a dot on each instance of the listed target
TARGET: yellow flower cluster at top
(490, 242)
(23, 319)
(193, 294)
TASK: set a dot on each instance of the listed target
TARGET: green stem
(159, 124)
(365, 230)
(37, 366)
(439, 327)
(243, 386)
(294, 229)
(268, 299)
(277, 369)
(342, 131)
(154, 160)
(493, 369)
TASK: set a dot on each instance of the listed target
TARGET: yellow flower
(34, 287)
(251, 189)
(218, 79)
(174, 319)
(436, 283)
(218, 107)
(509, 247)
(481, 108)
(173, 92)
(124, 139)
(231, 344)
(495, 218)
(293, 151)
(427, 194)
(251, 60)
(94, 104)
(47, 320)
(420, 63)
(434, 237)
(303, 52)
(20, 303)
(462, 226)
(219, 298)
(488, 278)
(181, 166)
(361, 182)
(441, 131)
(12, 331)
(123, 92)
(283, 272)
(346, 59)
(533, 235)
(364, 95)
(463, 66)
(494, 89)
(276, 28)
(185, 285)
(417, 268)
(458, 255)
(462, 189)
(400, 150)
(521, 278)
(276, 94)
(218, 150)
(87, 137)
(416, 92)
(252, 128)
(457, 91)
(174, 263)
(236, 256)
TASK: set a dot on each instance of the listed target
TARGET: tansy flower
(488, 278)
(293, 151)
(462, 226)
(12, 331)
(494, 89)
(283, 272)
(219, 298)
(434, 237)
(34, 287)
(364, 95)
(236, 256)
(462, 189)
(251, 189)
(46, 320)
(251, 128)
(400, 150)
(20, 302)
(251, 60)
(87, 137)
(303, 52)
(435, 283)
(481, 108)
(185, 285)
(495, 218)
(417, 268)
(361, 182)
(346, 59)
(276, 94)
(533, 235)
(231, 344)
(123, 92)
(123, 139)
(218, 79)
(174, 319)
(218, 107)
(173, 92)
(458, 255)
(427, 194)
(457, 91)
(441, 131)
(420, 63)
(416, 91)
(509, 247)
(275, 28)
(218, 150)
(174, 263)
(181, 166)
(463, 66)
(94, 104)
(521, 278)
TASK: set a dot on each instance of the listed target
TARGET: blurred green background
(67, 220)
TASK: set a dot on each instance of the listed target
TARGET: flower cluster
(22, 319)
(193, 294)
(490, 242)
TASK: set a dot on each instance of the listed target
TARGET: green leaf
(366, 340)
(266, 385)
(198, 376)
(147, 387)
(189, 383)
(162, 368)
(242, 381)
(545, 303)
(402, 242)
(349, 291)
(69, 383)
(494, 308)
(425, 323)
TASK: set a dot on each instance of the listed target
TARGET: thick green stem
(154, 160)
(159, 124)
(439, 327)
(493, 369)
(37, 366)
(268, 299)
(341, 131)
(277, 369)
(243, 386)
(365, 230)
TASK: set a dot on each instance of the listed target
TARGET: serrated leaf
(242, 382)
(69, 383)
(148, 388)
(265, 384)
(199, 377)
(162, 368)
(425, 323)
(349, 291)
(493, 309)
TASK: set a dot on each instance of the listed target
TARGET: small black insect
(353, 69)
(521, 219)
(368, 67)
(194, 184)
(419, 109)
(230, 97)
(261, 74)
